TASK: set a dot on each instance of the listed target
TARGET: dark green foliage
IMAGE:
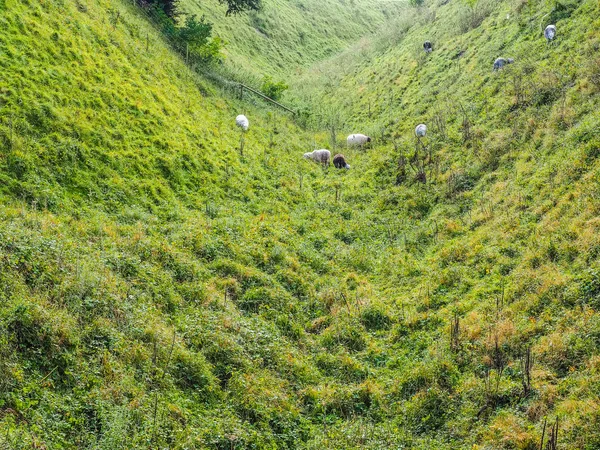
(195, 33)
(345, 335)
(375, 318)
(192, 39)
(460, 181)
(7, 364)
(169, 7)
(562, 10)
(46, 348)
(294, 283)
(255, 298)
(240, 6)
(192, 372)
(552, 252)
(427, 410)
(342, 367)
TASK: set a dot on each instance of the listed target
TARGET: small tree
(211, 52)
(416, 2)
(196, 32)
(195, 42)
(273, 89)
(239, 6)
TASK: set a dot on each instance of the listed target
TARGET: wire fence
(201, 64)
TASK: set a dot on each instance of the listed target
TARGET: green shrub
(289, 328)
(47, 348)
(273, 89)
(427, 410)
(341, 366)
(344, 401)
(225, 355)
(169, 7)
(240, 6)
(194, 40)
(562, 10)
(293, 283)
(474, 14)
(100, 336)
(7, 363)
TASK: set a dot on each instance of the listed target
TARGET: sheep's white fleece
(242, 122)
(357, 140)
(321, 156)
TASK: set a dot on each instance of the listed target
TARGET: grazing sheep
(339, 162)
(320, 156)
(550, 33)
(427, 47)
(421, 130)
(357, 140)
(242, 122)
(501, 62)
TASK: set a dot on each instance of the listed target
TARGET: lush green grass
(287, 36)
(159, 289)
(512, 205)
(149, 272)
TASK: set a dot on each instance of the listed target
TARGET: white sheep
(357, 140)
(550, 33)
(320, 156)
(421, 130)
(242, 122)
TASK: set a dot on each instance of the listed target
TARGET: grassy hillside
(161, 289)
(504, 233)
(287, 35)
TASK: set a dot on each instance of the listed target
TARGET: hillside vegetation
(288, 35)
(161, 287)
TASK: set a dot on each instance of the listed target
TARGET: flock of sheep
(323, 156)
(549, 34)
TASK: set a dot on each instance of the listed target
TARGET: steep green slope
(504, 234)
(160, 289)
(155, 284)
(387, 78)
(286, 36)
